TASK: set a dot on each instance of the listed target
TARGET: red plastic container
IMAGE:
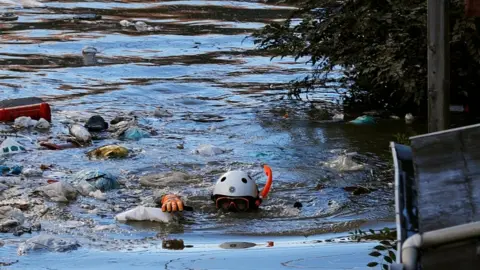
(34, 108)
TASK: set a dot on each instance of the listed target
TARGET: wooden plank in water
(447, 173)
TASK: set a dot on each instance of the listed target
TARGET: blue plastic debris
(135, 134)
(364, 119)
(144, 121)
(15, 170)
(101, 180)
(4, 169)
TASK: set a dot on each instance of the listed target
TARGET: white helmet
(236, 184)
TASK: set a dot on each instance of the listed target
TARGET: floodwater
(195, 60)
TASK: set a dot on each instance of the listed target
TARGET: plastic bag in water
(24, 122)
(42, 124)
(9, 216)
(15, 170)
(209, 150)
(142, 213)
(344, 163)
(80, 133)
(47, 243)
(11, 146)
(97, 179)
(135, 134)
(364, 119)
(59, 192)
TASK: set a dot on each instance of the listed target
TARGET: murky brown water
(194, 60)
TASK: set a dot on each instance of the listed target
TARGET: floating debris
(126, 23)
(160, 112)
(87, 181)
(338, 117)
(140, 26)
(135, 134)
(237, 245)
(11, 146)
(42, 124)
(59, 192)
(89, 56)
(364, 119)
(206, 118)
(14, 170)
(8, 16)
(209, 150)
(344, 163)
(409, 118)
(297, 205)
(108, 152)
(96, 123)
(173, 244)
(24, 122)
(47, 243)
(80, 133)
(10, 218)
(88, 17)
(8, 263)
(142, 213)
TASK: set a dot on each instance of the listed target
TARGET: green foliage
(402, 138)
(380, 46)
(385, 251)
(381, 235)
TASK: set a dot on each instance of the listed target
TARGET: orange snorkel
(268, 185)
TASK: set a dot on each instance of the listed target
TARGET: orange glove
(171, 203)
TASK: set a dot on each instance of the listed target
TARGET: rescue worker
(234, 191)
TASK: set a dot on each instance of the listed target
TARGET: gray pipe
(410, 251)
(434, 238)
